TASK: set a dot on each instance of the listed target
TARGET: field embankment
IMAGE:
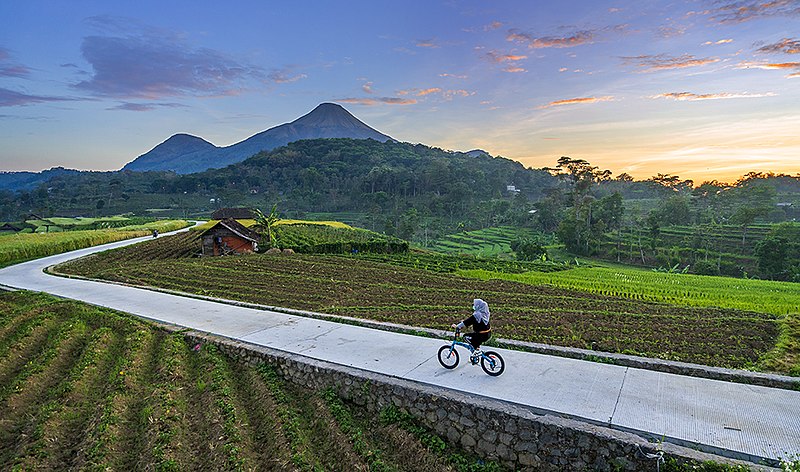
(88, 388)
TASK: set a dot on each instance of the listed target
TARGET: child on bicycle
(479, 320)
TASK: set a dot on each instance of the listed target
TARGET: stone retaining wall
(517, 437)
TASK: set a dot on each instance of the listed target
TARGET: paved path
(738, 420)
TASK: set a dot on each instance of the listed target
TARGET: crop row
(92, 389)
(355, 287)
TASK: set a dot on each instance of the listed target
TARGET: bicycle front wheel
(448, 357)
(493, 364)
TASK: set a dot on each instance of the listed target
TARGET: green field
(487, 242)
(778, 298)
(377, 288)
(85, 388)
(23, 247)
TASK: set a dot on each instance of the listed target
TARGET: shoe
(476, 356)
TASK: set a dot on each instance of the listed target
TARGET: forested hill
(312, 175)
(350, 174)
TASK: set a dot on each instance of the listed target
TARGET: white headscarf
(481, 312)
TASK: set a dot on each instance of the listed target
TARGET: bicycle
(491, 362)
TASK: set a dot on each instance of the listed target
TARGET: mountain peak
(184, 153)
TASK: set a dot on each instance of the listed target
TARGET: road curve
(735, 420)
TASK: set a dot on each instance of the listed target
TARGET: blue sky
(705, 89)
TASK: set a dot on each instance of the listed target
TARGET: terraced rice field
(87, 388)
(485, 242)
(384, 292)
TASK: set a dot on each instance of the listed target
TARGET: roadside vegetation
(16, 248)
(88, 388)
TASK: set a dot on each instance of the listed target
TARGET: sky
(702, 89)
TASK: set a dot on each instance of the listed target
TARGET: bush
(705, 268)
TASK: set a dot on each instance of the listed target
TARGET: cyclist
(479, 320)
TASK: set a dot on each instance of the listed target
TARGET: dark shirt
(477, 326)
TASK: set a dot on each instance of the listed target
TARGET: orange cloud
(768, 66)
(651, 63)
(493, 56)
(427, 43)
(786, 46)
(428, 91)
(577, 39)
(453, 76)
(575, 101)
(378, 101)
(688, 96)
(514, 69)
(367, 87)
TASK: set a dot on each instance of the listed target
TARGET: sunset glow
(698, 88)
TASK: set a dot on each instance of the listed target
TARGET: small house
(229, 237)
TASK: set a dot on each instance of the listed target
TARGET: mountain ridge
(185, 153)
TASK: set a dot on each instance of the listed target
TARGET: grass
(24, 247)
(86, 388)
(778, 298)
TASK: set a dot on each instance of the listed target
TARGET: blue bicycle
(491, 362)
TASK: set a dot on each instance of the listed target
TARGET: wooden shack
(229, 237)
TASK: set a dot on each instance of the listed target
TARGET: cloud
(128, 106)
(427, 43)
(378, 101)
(152, 65)
(692, 97)
(514, 69)
(285, 76)
(575, 101)
(721, 41)
(772, 66)
(9, 69)
(768, 66)
(745, 10)
(651, 63)
(494, 56)
(453, 76)
(576, 39)
(786, 46)
(367, 88)
(428, 91)
(10, 98)
(492, 26)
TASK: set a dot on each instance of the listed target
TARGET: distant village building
(229, 237)
(235, 213)
(512, 189)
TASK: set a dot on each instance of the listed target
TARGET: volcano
(186, 154)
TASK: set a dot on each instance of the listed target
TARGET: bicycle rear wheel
(492, 363)
(448, 357)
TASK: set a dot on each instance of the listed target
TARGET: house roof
(237, 228)
(237, 213)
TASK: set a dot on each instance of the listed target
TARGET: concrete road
(735, 420)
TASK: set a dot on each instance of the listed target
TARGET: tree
(528, 249)
(266, 224)
(778, 254)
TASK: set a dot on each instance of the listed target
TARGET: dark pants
(476, 339)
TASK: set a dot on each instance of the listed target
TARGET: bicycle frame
(469, 347)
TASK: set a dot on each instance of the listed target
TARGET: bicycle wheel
(448, 357)
(492, 363)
